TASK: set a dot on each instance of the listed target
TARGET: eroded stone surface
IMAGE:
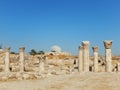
(95, 49)
(108, 44)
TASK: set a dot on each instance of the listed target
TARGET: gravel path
(83, 81)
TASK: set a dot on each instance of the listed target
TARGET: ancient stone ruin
(22, 66)
(97, 65)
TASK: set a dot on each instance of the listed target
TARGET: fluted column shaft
(85, 45)
(108, 56)
(7, 59)
(95, 54)
(22, 59)
(80, 59)
(41, 66)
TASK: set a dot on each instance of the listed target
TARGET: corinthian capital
(85, 44)
(22, 49)
(108, 44)
(7, 49)
(95, 49)
(80, 47)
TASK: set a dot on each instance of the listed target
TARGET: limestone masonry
(23, 66)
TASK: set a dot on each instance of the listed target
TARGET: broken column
(85, 45)
(95, 54)
(108, 57)
(22, 59)
(118, 67)
(7, 60)
(41, 66)
(80, 59)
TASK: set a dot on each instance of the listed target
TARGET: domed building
(56, 50)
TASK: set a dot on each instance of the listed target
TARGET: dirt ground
(76, 81)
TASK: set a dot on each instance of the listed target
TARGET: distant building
(60, 53)
(56, 53)
(56, 50)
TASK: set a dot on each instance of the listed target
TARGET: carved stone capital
(85, 44)
(95, 49)
(80, 47)
(107, 44)
(22, 49)
(7, 49)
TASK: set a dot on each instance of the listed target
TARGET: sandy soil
(76, 81)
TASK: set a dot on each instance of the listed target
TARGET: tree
(41, 52)
(33, 52)
(12, 53)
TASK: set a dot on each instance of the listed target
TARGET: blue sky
(40, 24)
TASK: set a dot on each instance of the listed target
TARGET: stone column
(85, 45)
(95, 54)
(80, 59)
(108, 57)
(22, 59)
(41, 66)
(118, 67)
(7, 60)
